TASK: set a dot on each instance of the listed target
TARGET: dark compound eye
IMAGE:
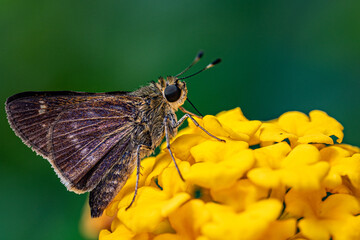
(172, 93)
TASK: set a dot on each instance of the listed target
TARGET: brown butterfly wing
(82, 135)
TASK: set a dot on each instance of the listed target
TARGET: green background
(277, 56)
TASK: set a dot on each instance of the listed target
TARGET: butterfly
(94, 141)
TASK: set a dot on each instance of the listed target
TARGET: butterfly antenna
(196, 59)
(207, 67)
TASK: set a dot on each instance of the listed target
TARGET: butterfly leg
(166, 123)
(138, 173)
(190, 113)
(181, 120)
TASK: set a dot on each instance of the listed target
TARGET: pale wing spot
(113, 182)
(42, 108)
(73, 138)
(109, 189)
(91, 114)
(84, 151)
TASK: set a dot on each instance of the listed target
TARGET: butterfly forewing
(77, 132)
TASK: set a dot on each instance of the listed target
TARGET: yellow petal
(301, 169)
(163, 227)
(305, 177)
(250, 224)
(236, 122)
(271, 132)
(316, 129)
(222, 174)
(271, 156)
(168, 236)
(181, 145)
(335, 217)
(162, 161)
(234, 114)
(215, 151)
(335, 156)
(339, 206)
(314, 229)
(175, 202)
(170, 179)
(215, 127)
(265, 177)
(348, 229)
(349, 148)
(303, 154)
(189, 218)
(349, 166)
(121, 232)
(294, 122)
(344, 230)
(316, 138)
(245, 127)
(302, 203)
(321, 122)
(239, 195)
(280, 230)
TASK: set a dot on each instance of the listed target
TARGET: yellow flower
(251, 223)
(335, 216)
(299, 128)
(282, 179)
(343, 164)
(222, 174)
(301, 168)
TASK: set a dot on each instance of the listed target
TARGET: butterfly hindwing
(77, 132)
(111, 184)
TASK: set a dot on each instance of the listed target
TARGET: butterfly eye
(172, 93)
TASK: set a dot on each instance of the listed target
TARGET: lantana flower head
(289, 178)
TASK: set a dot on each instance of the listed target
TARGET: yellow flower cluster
(282, 179)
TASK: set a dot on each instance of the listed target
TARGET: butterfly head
(173, 90)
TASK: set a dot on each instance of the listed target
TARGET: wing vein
(109, 135)
(87, 119)
(76, 150)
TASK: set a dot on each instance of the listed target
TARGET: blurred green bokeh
(277, 56)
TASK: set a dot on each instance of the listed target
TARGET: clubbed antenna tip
(200, 55)
(217, 61)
